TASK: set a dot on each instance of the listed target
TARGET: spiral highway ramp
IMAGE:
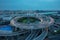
(32, 25)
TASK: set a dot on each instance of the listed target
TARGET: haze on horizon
(29, 4)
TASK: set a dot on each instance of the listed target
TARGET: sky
(29, 4)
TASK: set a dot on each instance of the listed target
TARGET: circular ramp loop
(44, 21)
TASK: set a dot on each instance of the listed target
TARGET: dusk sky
(29, 4)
